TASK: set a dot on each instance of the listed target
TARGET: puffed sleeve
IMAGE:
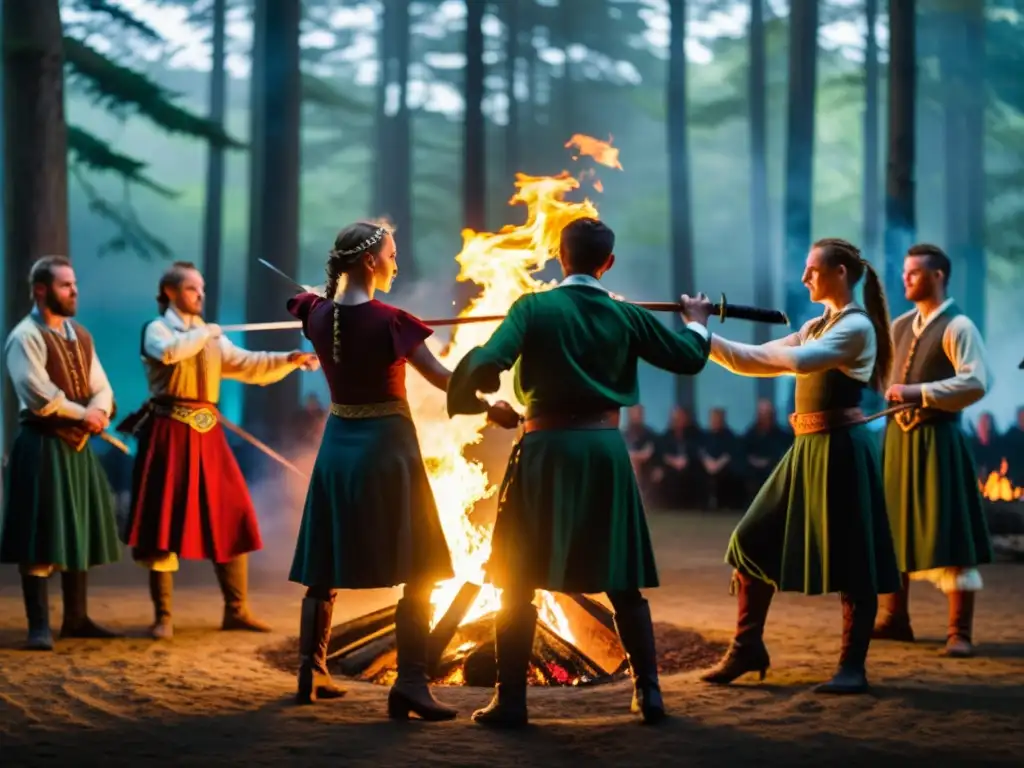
(407, 333)
(301, 306)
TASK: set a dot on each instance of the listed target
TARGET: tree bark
(975, 288)
(803, 71)
(403, 155)
(267, 409)
(764, 291)
(871, 191)
(683, 276)
(474, 172)
(510, 8)
(900, 215)
(213, 216)
(35, 158)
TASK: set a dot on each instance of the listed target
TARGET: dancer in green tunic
(931, 487)
(570, 517)
(818, 525)
(58, 506)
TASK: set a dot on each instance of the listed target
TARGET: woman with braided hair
(818, 524)
(370, 520)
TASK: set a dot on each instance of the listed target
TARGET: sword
(256, 443)
(109, 438)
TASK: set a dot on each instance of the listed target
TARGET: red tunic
(372, 342)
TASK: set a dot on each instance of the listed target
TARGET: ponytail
(877, 307)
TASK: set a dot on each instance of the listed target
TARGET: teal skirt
(570, 518)
(819, 524)
(931, 491)
(58, 506)
(370, 520)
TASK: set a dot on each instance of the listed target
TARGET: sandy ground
(208, 698)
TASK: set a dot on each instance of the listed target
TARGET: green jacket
(575, 348)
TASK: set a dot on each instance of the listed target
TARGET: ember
(1004, 512)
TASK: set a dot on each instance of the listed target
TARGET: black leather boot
(37, 611)
(636, 632)
(747, 652)
(161, 591)
(233, 577)
(411, 691)
(315, 680)
(858, 621)
(894, 615)
(513, 646)
(74, 587)
(961, 620)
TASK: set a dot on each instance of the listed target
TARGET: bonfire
(1004, 511)
(575, 641)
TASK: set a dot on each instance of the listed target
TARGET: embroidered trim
(202, 420)
(371, 410)
(824, 421)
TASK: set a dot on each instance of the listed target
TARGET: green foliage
(118, 14)
(91, 152)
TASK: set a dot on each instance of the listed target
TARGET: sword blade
(295, 283)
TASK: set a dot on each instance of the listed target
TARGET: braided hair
(836, 252)
(350, 245)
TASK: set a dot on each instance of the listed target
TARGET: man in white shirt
(935, 510)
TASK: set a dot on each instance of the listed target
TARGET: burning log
(1004, 512)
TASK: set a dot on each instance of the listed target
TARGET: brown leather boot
(37, 610)
(747, 652)
(315, 681)
(636, 632)
(894, 615)
(961, 621)
(161, 591)
(513, 645)
(74, 589)
(233, 577)
(858, 620)
(411, 692)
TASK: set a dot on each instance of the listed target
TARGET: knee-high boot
(636, 632)
(513, 644)
(894, 615)
(747, 652)
(74, 587)
(233, 577)
(858, 620)
(37, 611)
(411, 692)
(315, 680)
(961, 620)
(161, 591)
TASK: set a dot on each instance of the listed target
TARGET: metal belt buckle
(202, 420)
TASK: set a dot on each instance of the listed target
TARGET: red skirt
(189, 496)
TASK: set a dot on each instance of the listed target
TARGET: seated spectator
(1013, 449)
(986, 446)
(764, 444)
(720, 455)
(678, 479)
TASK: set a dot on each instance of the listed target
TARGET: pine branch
(92, 152)
(132, 235)
(321, 93)
(121, 16)
(121, 88)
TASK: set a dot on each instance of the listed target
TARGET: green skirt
(58, 506)
(370, 520)
(818, 524)
(931, 491)
(570, 518)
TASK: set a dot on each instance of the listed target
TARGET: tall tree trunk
(474, 170)
(268, 409)
(35, 158)
(683, 276)
(401, 188)
(257, 135)
(565, 95)
(870, 200)
(764, 292)
(510, 8)
(946, 24)
(900, 218)
(214, 212)
(975, 293)
(384, 122)
(803, 72)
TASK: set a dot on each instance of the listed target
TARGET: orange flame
(503, 264)
(998, 486)
(602, 151)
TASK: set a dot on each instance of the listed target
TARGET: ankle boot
(74, 588)
(233, 577)
(513, 646)
(961, 620)
(858, 620)
(161, 590)
(636, 632)
(411, 692)
(747, 652)
(315, 680)
(894, 615)
(37, 611)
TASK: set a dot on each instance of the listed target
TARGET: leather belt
(372, 410)
(598, 420)
(825, 421)
(202, 417)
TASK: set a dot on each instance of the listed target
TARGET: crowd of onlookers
(714, 467)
